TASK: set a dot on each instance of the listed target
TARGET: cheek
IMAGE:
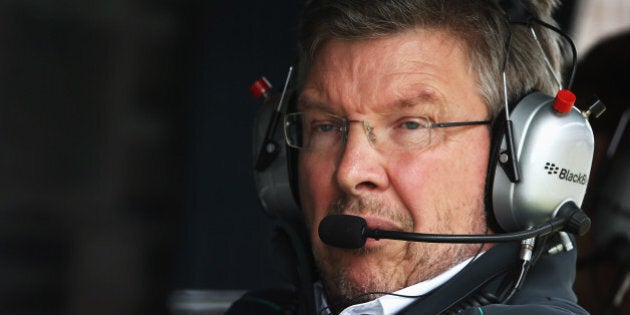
(436, 187)
(315, 186)
(463, 168)
(420, 181)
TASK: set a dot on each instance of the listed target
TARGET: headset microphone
(351, 232)
(540, 155)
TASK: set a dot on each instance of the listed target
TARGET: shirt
(389, 304)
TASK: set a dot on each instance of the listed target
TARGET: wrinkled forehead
(422, 102)
(413, 69)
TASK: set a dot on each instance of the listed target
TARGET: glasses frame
(368, 128)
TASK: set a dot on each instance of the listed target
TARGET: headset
(539, 164)
(541, 154)
(271, 170)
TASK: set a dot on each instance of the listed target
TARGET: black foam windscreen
(343, 231)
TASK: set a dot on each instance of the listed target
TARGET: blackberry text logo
(566, 174)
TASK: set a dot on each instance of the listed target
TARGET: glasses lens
(293, 130)
(324, 132)
(411, 133)
(313, 131)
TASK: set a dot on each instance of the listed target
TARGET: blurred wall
(125, 158)
(224, 228)
(91, 153)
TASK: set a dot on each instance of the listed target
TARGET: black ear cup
(554, 152)
(272, 183)
(497, 136)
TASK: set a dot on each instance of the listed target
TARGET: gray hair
(481, 24)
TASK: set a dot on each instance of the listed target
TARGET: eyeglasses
(324, 132)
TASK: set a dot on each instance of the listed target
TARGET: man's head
(390, 69)
(480, 24)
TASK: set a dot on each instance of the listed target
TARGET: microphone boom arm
(348, 231)
(554, 225)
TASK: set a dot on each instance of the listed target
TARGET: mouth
(378, 223)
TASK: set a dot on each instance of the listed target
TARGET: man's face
(437, 189)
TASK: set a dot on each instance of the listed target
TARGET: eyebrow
(305, 103)
(426, 98)
(427, 101)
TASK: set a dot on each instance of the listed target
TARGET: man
(375, 80)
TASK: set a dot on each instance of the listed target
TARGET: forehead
(407, 69)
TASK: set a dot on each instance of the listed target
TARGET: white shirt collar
(390, 304)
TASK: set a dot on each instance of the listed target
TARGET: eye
(412, 123)
(319, 124)
(324, 127)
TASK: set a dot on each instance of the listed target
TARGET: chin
(349, 273)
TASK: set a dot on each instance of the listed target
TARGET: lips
(377, 223)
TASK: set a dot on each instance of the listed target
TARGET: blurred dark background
(125, 149)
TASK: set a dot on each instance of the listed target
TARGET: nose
(361, 168)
